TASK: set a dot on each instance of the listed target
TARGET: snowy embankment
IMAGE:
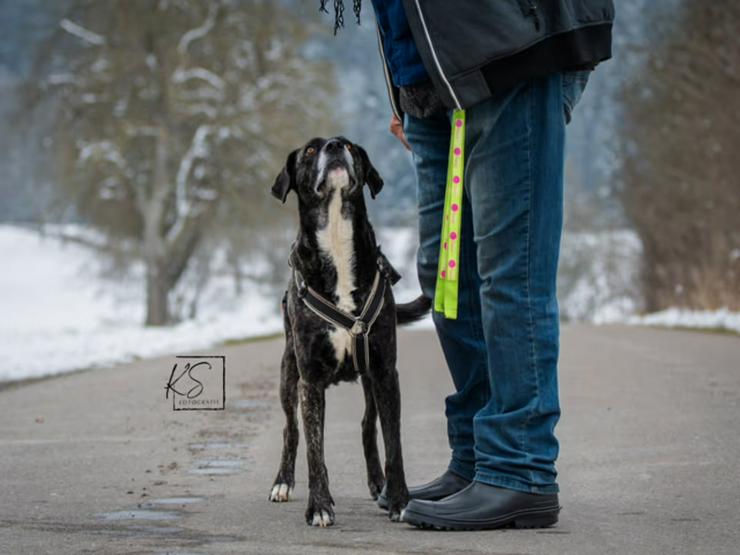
(722, 319)
(61, 315)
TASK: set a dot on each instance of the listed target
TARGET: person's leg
(462, 340)
(514, 177)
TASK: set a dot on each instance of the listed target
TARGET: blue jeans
(502, 350)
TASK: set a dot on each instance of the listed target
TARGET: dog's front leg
(375, 478)
(319, 511)
(284, 483)
(388, 400)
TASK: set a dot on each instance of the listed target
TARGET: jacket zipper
(387, 75)
(434, 56)
(534, 13)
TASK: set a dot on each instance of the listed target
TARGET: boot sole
(525, 518)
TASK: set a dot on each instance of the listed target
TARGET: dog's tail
(413, 311)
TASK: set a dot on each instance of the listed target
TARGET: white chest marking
(335, 240)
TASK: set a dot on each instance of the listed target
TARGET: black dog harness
(357, 326)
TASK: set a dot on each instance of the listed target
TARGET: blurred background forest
(141, 138)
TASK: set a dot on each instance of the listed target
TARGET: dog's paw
(396, 508)
(320, 514)
(375, 488)
(280, 492)
(322, 518)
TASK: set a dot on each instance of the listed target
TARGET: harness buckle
(302, 288)
(358, 328)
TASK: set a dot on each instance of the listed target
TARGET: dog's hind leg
(388, 400)
(319, 511)
(285, 480)
(375, 478)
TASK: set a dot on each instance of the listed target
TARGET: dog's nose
(334, 145)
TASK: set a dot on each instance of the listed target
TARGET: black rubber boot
(445, 485)
(483, 507)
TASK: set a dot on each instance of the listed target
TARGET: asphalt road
(98, 462)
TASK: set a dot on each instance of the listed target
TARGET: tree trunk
(157, 293)
(158, 283)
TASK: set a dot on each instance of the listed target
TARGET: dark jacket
(473, 48)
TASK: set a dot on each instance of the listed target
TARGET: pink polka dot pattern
(448, 271)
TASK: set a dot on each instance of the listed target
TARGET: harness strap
(358, 326)
(360, 330)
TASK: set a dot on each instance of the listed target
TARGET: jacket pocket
(574, 83)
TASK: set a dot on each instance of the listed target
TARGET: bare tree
(170, 109)
(681, 177)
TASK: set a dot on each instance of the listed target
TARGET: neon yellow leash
(448, 271)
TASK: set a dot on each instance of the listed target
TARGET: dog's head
(312, 171)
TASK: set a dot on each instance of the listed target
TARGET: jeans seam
(471, 260)
(528, 273)
(477, 330)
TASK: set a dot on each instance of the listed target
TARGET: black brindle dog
(340, 321)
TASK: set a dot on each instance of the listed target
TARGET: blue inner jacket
(401, 54)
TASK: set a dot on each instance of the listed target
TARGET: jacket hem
(582, 48)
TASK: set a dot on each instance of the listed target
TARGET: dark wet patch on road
(215, 445)
(139, 514)
(216, 467)
(172, 501)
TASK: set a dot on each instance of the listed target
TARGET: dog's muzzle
(334, 156)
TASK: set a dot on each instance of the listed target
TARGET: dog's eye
(348, 146)
(310, 151)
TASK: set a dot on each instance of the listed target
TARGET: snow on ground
(61, 315)
(722, 319)
(598, 279)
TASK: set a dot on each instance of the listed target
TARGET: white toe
(283, 492)
(322, 519)
(280, 492)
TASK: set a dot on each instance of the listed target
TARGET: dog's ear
(371, 175)
(285, 181)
